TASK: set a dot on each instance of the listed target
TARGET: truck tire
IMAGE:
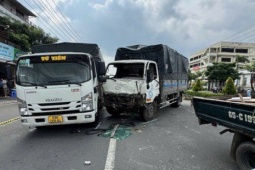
(147, 113)
(178, 102)
(245, 156)
(113, 112)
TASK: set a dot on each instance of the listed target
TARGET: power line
(62, 27)
(239, 33)
(72, 29)
(52, 21)
(43, 20)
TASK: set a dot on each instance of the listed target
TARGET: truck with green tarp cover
(144, 78)
(238, 118)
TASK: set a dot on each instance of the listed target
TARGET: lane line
(110, 160)
(9, 121)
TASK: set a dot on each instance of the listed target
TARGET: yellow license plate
(55, 119)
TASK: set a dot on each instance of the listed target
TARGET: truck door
(153, 83)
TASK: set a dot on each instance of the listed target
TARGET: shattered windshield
(53, 70)
(125, 70)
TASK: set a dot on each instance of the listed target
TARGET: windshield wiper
(33, 84)
(65, 81)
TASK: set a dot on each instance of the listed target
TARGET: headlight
(87, 102)
(22, 107)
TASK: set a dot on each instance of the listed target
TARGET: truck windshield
(53, 70)
(125, 70)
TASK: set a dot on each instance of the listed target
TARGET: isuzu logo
(54, 100)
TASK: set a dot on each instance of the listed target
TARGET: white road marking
(109, 165)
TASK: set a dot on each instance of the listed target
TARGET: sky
(184, 25)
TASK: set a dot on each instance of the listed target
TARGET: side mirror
(102, 78)
(101, 68)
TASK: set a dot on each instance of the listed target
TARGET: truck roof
(91, 49)
(53, 53)
(132, 61)
(168, 59)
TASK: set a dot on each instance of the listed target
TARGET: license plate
(55, 119)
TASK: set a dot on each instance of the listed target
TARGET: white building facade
(226, 52)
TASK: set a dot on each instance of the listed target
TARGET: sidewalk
(6, 99)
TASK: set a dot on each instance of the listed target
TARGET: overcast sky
(185, 25)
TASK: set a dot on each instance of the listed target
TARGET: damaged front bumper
(126, 101)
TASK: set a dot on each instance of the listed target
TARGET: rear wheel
(147, 113)
(177, 103)
(245, 156)
(113, 111)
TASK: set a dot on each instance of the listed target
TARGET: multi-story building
(221, 52)
(226, 52)
(15, 11)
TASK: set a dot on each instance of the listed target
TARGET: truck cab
(131, 84)
(57, 88)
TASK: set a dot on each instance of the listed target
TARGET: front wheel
(245, 156)
(147, 113)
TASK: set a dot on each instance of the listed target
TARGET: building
(8, 50)
(225, 52)
(221, 52)
(13, 9)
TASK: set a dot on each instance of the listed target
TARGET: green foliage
(197, 86)
(250, 67)
(26, 35)
(202, 93)
(221, 71)
(229, 88)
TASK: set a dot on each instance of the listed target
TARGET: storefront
(7, 63)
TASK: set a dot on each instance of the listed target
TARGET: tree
(229, 88)
(251, 68)
(219, 72)
(241, 59)
(26, 35)
(197, 86)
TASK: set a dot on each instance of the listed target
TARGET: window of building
(244, 81)
(213, 50)
(19, 13)
(191, 59)
(196, 58)
(241, 50)
(226, 59)
(227, 50)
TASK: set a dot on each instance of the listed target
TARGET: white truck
(60, 84)
(143, 79)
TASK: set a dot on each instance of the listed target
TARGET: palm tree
(241, 59)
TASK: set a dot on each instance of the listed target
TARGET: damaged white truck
(143, 79)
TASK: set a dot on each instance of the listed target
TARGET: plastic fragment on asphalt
(87, 162)
(149, 121)
(120, 133)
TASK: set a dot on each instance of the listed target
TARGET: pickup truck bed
(238, 118)
(233, 115)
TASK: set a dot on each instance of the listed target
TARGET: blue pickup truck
(238, 118)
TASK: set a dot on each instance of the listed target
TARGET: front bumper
(127, 101)
(74, 118)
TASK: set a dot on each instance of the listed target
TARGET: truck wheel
(178, 102)
(245, 156)
(113, 112)
(147, 113)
